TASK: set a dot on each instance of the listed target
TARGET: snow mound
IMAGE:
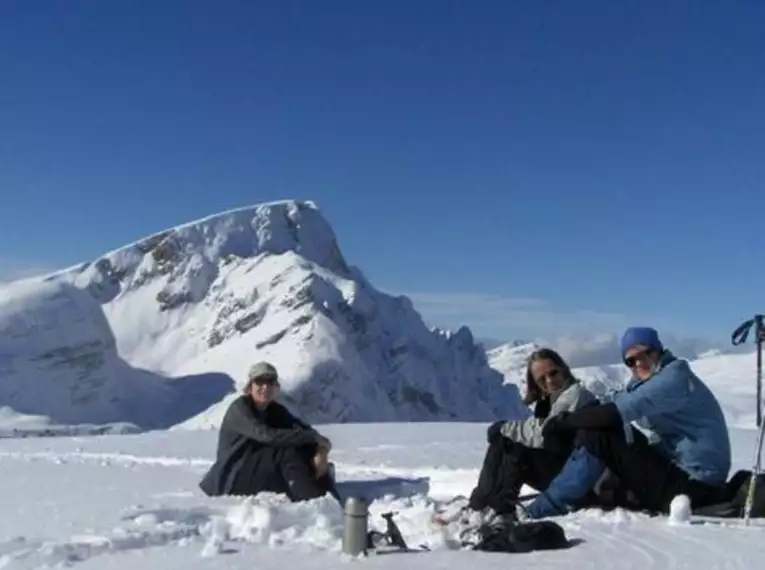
(273, 521)
(59, 365)
(680, 510)
(14, 424)
(111, 339)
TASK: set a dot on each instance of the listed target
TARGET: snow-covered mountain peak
(510, 359)
(187, 258)
(266, 282)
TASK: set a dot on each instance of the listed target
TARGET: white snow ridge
(161, 332)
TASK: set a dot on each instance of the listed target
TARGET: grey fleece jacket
(528, 432)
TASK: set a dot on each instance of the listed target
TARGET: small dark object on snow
(519, 537)
(392, 531)
(392, 535)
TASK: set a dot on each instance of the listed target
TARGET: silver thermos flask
(355, 532)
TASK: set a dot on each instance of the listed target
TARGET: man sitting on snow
(692, 455)
(262, 447)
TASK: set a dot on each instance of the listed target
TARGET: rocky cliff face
(206, 299)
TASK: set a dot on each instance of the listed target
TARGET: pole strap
(741, 334)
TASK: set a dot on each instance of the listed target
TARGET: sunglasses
(641, 356)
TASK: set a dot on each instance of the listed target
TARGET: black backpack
(519, 537)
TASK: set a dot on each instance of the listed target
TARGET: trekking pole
(740, 336)
(759, 334)
(755, 476)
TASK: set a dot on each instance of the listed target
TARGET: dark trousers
(642, 469)
(287, 470)
(507, 466)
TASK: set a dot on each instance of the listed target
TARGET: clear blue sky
(604, 159)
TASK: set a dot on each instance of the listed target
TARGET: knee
(304, 454)
(595, 440)
(291, 453)
(592, 440)
(512, 448)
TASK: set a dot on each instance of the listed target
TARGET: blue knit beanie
(641, 335)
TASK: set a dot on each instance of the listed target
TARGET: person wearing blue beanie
(690, 456)
(641, 350)
(645, 336)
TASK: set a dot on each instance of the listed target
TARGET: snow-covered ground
(130, 501)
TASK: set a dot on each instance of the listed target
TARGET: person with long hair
(517, 453)
(689, 452)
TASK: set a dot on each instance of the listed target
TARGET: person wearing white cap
(262, 447)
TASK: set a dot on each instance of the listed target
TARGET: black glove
(596, 416)
(542, 408)
(495, 431)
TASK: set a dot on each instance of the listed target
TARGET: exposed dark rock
(273, 339)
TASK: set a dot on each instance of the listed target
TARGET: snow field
(131, 500)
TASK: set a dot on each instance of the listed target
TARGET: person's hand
(494, 431)
(321, 462)
(542, 408)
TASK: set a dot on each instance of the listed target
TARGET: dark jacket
(244, 431)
